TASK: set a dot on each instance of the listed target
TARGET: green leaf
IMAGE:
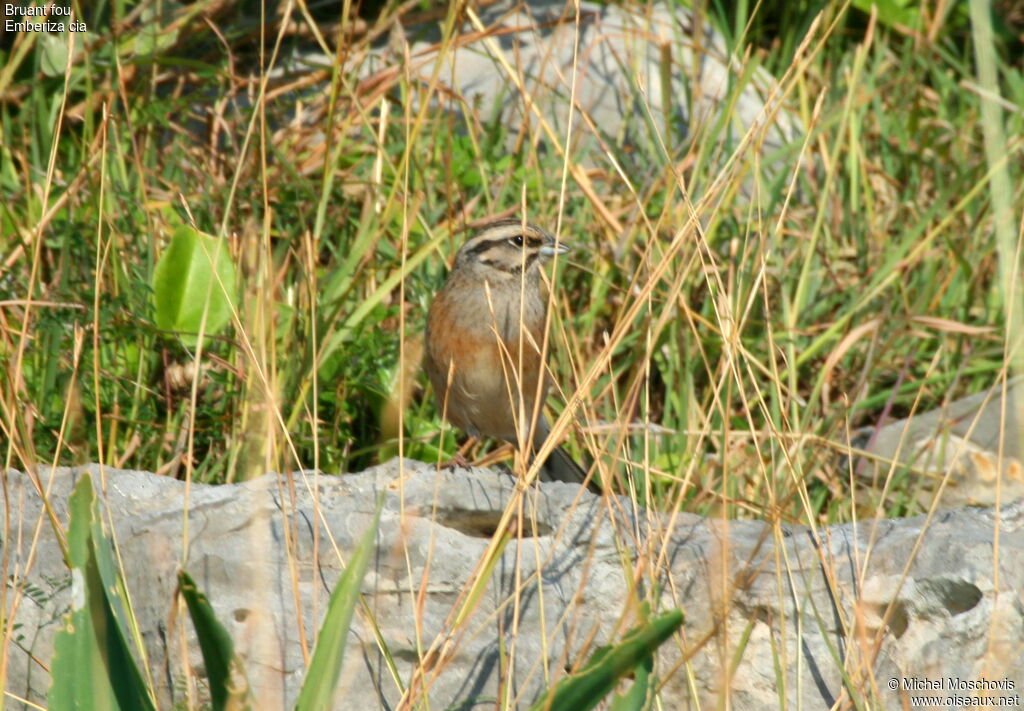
(636, 698)
(224, 672)
(893, 12)
(195, 275)
(159, 29)
(92, 665)
(325, 666)
(585, 689)
(53, 49)
(639, 695)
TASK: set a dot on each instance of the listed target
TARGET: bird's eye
(516, 241)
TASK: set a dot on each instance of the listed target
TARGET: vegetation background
(870, 280)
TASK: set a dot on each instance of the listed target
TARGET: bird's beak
(552, 248)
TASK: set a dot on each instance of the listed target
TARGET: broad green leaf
(224, 673)
(195, 274)
(92, 664)
(159, 29)
(325, 666)
(893, 12)
(585, 689)
(54, 51)
(640, 694)
(637, 697)
(155, 39)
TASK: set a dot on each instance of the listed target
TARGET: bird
(482, 347)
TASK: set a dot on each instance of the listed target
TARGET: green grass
(883, 216)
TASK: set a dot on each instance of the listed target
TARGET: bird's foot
(456, 462)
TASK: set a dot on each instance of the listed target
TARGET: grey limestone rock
(972, 444)
(776, 616)
(631, 76)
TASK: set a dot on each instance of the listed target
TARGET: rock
(763, 604)
(976, 440)
(638, 66)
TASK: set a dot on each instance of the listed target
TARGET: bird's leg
(456, 462)
(459, 461)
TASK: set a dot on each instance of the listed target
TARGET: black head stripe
(508, 269)
(485, 245)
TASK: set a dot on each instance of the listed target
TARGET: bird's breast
(482, 353)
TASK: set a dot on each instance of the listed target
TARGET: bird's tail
(559, 466)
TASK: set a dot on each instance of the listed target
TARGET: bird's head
(509, 247)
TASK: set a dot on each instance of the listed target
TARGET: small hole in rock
(958, 596)
(484, 524)
(899, 620)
